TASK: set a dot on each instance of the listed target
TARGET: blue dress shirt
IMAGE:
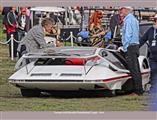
(130, 31)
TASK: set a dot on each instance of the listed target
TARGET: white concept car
(74, 69)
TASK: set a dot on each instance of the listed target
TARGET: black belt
(132, 44)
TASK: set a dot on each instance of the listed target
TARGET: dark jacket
(114, 22)
(27, 22)
(149, 36)
(11, 22)
(5, 11)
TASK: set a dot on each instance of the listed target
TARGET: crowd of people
(18, 24)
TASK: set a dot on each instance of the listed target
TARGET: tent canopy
(48, 9)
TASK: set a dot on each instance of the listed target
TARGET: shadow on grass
(82, 94)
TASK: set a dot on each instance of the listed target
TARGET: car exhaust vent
(69, 74)
(41, 74)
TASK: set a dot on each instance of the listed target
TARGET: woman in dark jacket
(11, 27)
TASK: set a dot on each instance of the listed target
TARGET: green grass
(121, 103)
(11, 99)
(2, 36)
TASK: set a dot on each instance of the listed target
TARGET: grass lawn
(11, 99)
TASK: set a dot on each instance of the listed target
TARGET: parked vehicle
(74, 69)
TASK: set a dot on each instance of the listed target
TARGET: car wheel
(30, 93)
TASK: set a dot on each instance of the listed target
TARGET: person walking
(130, 42)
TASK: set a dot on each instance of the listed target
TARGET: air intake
(70, 75)
(41, 74)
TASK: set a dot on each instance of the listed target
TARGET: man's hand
(59, 44)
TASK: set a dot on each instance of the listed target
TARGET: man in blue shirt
(130, 41)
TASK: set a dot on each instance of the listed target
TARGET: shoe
(135, 94)
(139, 92)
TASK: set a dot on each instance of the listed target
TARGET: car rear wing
(87, 61)
(55, 55)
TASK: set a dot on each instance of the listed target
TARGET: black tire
(30, 93)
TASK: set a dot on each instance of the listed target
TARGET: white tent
(48, 9)
(42, 10)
